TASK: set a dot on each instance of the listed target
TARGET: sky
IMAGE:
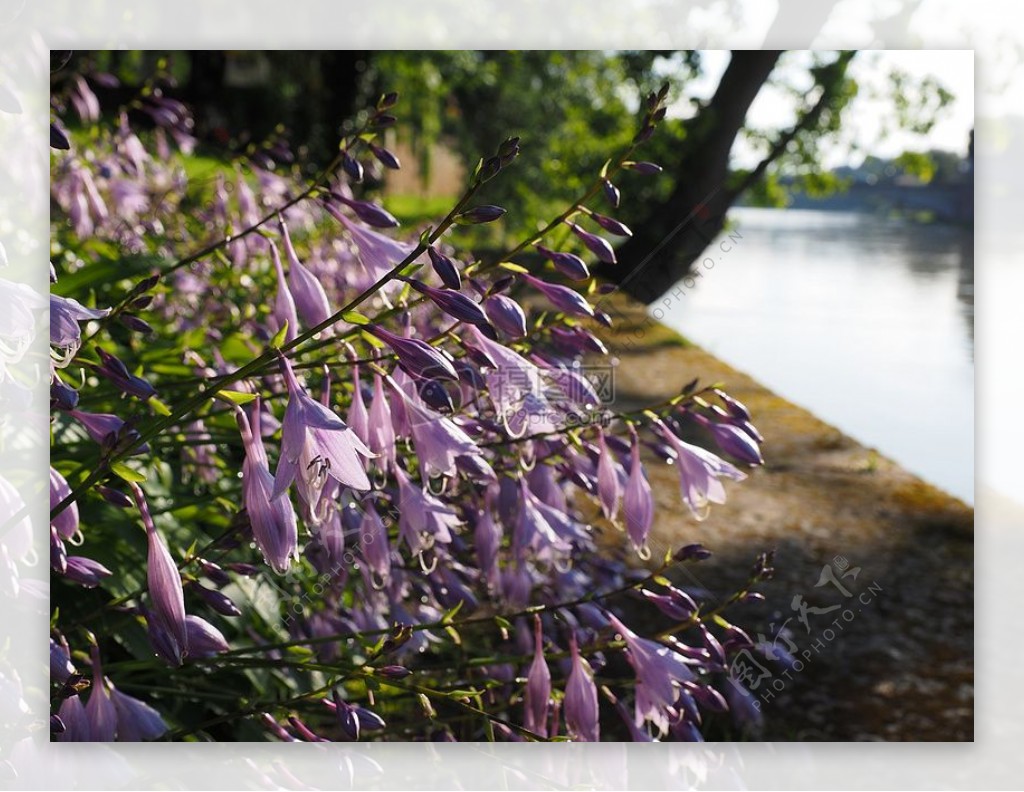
(871, 111)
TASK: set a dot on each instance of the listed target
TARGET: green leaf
(280, 335)
(354, 317)
(121, 470)
(372, 340)
(450, 615)
(236, 397)
(158, 406)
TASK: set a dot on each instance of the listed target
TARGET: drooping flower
(310, 298)
(379, 254)
(84, 571)
(100, 713)
(611, 225)
(534, 532)
(66, 523)
(136, 720)
(538, 686)
(107, 429)
(660, 671)
(699, 473)
(61, 667)
(423, 519)
(117, 372)
(455, 304)
(284, 304)
(273, 519)
(65, 334)
(204, 640)
(318, 439)
(637, 499)
(582, 716)
(380, 427)
(515, 386)
(609, 489)
(374, 544)
(368, 212)
(164, 581)
(438, 440)
(733, 440)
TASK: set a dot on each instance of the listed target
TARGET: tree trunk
(672, 237)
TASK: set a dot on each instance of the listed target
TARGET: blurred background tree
(572, 109)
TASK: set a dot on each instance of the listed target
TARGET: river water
(866, 322)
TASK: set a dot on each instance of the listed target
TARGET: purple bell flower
(660, 671)
(204, 640)
(272, 519)
(582, 716)
(136, 720)
(423, 520)
(66, 523)
(116, 371)
(164, 582)
(611, 225)
(638, 500)
(368, 212)
(317, 441)
(699, 474)
(85, 571)
(538, 686)
(284, 304)
(310, 298)
(608, 486)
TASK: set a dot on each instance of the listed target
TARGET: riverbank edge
(900, 670)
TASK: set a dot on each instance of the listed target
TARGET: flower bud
(445, 269)
(352, 167)
(485, 213)
(611, 193)
(611, 225)
(645, 168)
(506, 315)
(393, 672)
(598, 245)
(369, 213)
(385, 157)
(569, 264)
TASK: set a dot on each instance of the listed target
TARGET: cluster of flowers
(431, 471)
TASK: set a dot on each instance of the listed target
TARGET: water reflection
(869, 323)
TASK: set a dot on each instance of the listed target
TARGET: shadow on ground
(887, 653)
